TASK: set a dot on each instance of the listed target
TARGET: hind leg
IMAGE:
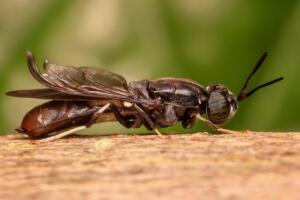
(63, 134)
(78, 128)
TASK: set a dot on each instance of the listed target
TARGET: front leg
(214, 126)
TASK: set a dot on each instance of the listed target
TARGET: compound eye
(218, 107)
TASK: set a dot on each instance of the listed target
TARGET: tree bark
(253, 165)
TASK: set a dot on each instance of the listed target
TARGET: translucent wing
(81, 81)
(104, 77)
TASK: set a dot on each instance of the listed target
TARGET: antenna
(243, 94)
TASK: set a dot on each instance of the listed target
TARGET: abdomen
(55, 116)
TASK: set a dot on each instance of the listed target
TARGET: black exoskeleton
(82, 96)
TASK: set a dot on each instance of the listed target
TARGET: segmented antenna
(243, 94)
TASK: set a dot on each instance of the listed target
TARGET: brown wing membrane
(46, 94)
(103, 77)
(83, 81)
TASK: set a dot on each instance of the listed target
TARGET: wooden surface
(196, 166)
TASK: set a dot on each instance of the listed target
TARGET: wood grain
(192, 166)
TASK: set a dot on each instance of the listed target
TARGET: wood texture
(194, 166)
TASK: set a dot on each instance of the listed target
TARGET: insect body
(83, 96)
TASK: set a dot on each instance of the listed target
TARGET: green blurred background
(204, 40)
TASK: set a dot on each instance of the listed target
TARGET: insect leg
(96, 114)
(147, 119)
(63, 134)
(129, 121)
(189, 118)
(78, 128)
(215, 127)
(158, 132)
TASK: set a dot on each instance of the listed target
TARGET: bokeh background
(204, 40)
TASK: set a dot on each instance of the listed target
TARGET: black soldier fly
(83, 96)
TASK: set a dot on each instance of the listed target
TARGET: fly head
(221, 104)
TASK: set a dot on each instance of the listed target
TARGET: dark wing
(82, 81)
(46, 94)
(103, 77)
